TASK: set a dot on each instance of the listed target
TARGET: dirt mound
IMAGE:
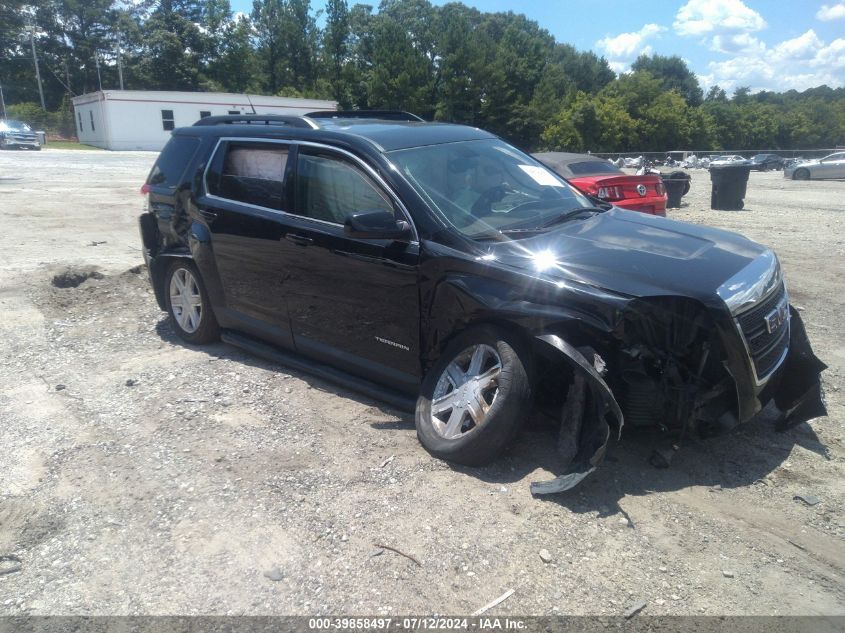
(73, 277)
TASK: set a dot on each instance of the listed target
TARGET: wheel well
(523, 337)
(158, 268)
(548, 373)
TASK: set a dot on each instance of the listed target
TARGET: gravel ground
(142, 476)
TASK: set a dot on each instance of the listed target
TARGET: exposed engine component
(669, 365)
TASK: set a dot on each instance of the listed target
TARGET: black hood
(633, 254)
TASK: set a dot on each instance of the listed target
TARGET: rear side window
(173, 160)
(254, 174)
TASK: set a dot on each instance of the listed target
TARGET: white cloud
(800, 63)
(805, 46)
(629, 45)
(619, 67)
(712, 17)
(831, 56)
(739, 43)
(832, 12)
(758, 74)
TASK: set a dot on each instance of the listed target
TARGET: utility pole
(99, 78)
(2, 101)
(119, 62)
(67, 80)
(35, 59)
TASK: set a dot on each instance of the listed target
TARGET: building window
(234, 111)
(79, 116)
(91, 115)
(204, 114)
(167, 121)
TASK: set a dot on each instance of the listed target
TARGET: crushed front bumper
(591, 412)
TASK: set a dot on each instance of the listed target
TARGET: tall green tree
(335, 51)
(174, 46)
(673, 73)
(398, 77)
(461, 60)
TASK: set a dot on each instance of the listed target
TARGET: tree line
(499, 71)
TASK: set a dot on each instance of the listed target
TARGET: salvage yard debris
(495, 602)
(634, 609)
(400, 552)
(810, 500)
(9, 564)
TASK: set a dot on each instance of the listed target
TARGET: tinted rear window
(593, 167)
(173, 160)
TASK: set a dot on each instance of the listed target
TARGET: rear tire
(474, 398)
(801, 174)
(188, 305)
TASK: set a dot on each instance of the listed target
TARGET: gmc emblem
(777, 317)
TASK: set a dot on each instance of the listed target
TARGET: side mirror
(377, 225)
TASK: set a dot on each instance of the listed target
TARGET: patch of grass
(70, 145)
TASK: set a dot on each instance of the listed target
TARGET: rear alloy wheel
(188, 305)
(801, 174)
(474, 398)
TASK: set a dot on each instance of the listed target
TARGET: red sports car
(600, 178)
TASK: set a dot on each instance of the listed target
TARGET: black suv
(438, 268)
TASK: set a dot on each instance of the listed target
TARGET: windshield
(15, 125)
(487, 186)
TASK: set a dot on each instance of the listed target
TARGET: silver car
(832, 166)
(731, 159)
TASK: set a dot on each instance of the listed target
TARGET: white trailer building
(143, 119)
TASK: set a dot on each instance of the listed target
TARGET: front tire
(801, 174)
(188, 305)
(474, 398)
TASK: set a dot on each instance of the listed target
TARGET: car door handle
(207, 215)
(301, 240)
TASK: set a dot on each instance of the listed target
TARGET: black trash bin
(677, 185)
(729, 183)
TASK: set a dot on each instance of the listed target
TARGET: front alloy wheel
(474, 397)
(465, 391)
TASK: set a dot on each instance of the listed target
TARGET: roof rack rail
(258, 119)
(384, 115)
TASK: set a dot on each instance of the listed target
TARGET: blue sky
(764, 44)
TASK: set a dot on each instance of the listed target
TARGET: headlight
(752, 283)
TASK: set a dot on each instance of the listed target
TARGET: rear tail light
(610, 193)
(661, 189)
(145, 191)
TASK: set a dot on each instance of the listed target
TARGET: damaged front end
(674, 365)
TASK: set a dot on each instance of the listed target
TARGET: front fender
(587, 429)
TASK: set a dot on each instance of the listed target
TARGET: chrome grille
(766, 349)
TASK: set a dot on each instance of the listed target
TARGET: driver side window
(331, 189)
